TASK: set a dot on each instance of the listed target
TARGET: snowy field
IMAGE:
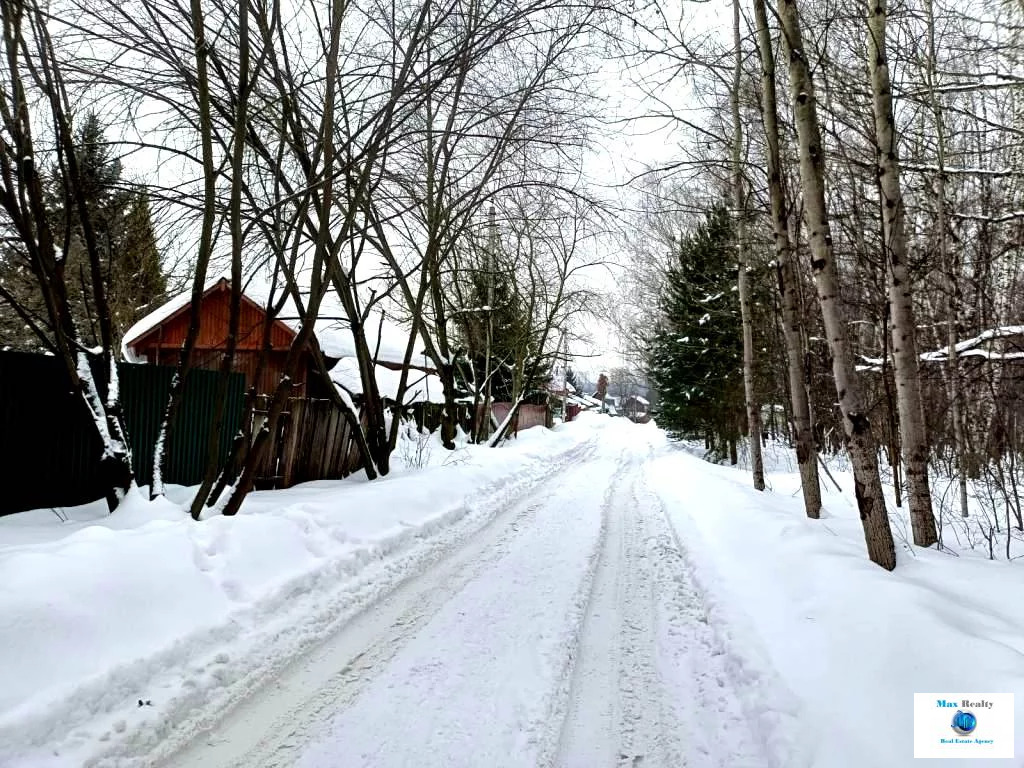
(588, 596)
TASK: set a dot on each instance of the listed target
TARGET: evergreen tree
(695, 355)
(130, 261)
(571, 378)
(511, 333)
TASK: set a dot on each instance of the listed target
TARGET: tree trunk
(206, 237)
(234, 314)
(868, 488)
(743, 278)
(806, 453)
(948, 267)
(913, 440)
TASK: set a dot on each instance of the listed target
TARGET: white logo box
(934, 735)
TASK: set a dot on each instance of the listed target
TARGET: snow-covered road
(567, 632)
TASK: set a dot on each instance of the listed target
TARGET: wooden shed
(158, 338)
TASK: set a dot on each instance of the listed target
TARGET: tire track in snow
(655, 683)
(482, 681)
(618, 714)
(273, 728)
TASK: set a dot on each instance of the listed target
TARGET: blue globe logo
(964, 722)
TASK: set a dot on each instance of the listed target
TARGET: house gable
(170, 331)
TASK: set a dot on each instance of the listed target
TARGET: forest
(836, 254)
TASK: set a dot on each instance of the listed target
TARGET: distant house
(571, 402)
(635, 408)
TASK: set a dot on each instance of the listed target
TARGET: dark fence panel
(144, 392)
(49, 449)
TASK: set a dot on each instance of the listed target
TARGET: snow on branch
(1012, 216)
(989, 82)
(951, 171)
(966, 348)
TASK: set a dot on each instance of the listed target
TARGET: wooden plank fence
(527, 416)
(314, 441)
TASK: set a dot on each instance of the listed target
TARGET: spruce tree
(130, 261)
(695, 355)
(510, 338)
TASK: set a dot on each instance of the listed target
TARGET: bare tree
(32, 87)
(870, 500)
(806, 452)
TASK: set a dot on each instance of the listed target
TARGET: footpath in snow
(592, 596)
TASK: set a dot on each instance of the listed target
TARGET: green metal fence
(49, 449)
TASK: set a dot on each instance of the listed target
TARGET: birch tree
(861, 442)
(806, 452)
(753, 407)
(913, 440)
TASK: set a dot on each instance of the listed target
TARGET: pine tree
(130, 261)
(572, 379)
(695, 356)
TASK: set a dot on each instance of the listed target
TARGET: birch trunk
(806, 453)
(952, 302)
(913, 439)
(743, 279)
(861, 442)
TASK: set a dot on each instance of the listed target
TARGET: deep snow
(580, 590)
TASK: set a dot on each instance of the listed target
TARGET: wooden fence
(314, 441)
(527, 416)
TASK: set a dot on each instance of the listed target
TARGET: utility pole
(489, 260)
(564, 347)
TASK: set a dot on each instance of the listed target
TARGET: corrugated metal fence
(49, 449)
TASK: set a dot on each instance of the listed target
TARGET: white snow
(848, 639)
(146, 604)
(420, 386)
(586, 596)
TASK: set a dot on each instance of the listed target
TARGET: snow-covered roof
(387, 338)
(583, 402)
(420, 386)
(165, 311)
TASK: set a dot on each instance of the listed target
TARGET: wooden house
(158, 337)
(635, 408)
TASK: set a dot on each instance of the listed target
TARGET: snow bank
(851, 641)
(122, 634)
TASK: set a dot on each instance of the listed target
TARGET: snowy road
(568, 632)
